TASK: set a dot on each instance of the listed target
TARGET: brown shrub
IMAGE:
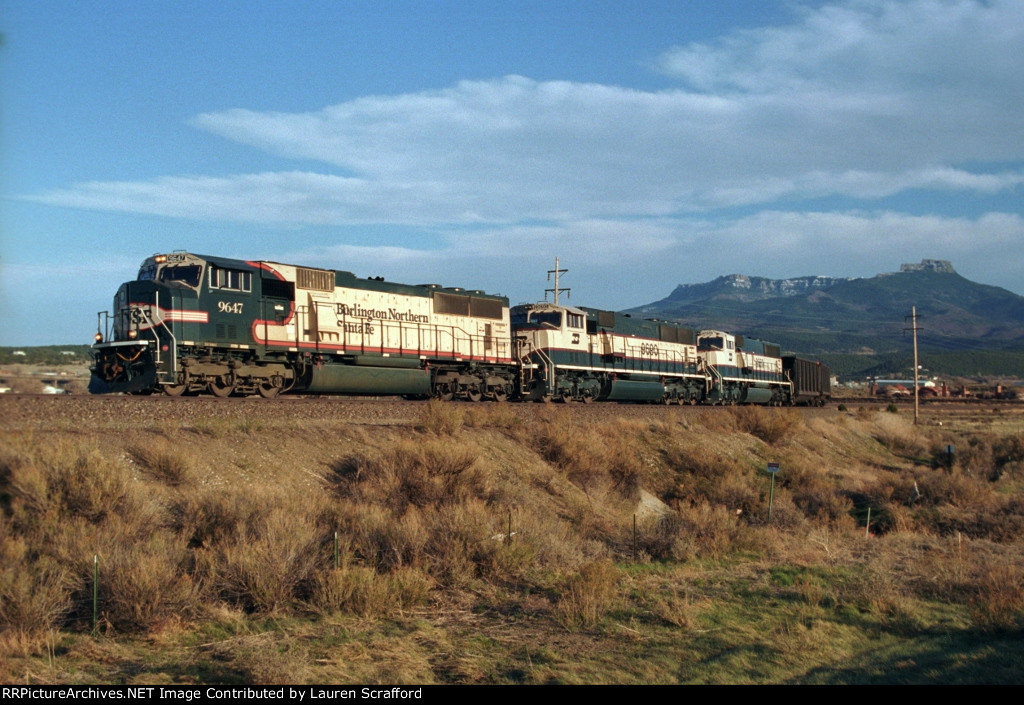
(899, 436)
(441, 418)
(502, 416)
(812, 492)
(770, 425)
(421, 474)
(715, 421)
(998, 605)
(703, 476)
(460, 538)
(143, 584)
(675, 606)
(957, 489)
(381, 539)
(1008, 455)
(593, 460)
(50, 482)
(587, 596)
(164, 463)
(35, 591)
(266, 563)
(699, 530)
(360, 590)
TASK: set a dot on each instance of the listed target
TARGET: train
(197, 324)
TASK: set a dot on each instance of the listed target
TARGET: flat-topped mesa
(930, 265)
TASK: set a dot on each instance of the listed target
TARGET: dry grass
(773, 426)
(479, 545)
(587, 596)
(998, 605)
(441, 418)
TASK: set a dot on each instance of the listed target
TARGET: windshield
(552, 318)
(711, 344)
(190, 274)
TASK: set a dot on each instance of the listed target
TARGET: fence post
(95, 590)
(634, 538)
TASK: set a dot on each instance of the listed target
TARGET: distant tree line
(45, 355)
(963, 363)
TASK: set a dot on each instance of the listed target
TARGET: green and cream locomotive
(585, 354)
(191, 323)
(743, 371)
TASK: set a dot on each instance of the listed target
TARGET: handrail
(173, 348)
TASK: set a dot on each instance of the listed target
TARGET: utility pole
(557, 272)
(913, 327)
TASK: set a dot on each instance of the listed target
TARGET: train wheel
(588, 398)
(565, 397)
(267, 391)
(219, 389)
(500, 394)
(473, 395)
(175, 390)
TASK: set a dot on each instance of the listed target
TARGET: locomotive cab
(717, 348)
(743, 370)
(549, 337)
(136, 342)
(179, 303)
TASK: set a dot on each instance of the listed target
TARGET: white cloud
(622, 263)
(864, 99)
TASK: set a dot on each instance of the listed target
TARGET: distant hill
(959, 321)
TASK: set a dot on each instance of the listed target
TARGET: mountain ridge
(815, 315)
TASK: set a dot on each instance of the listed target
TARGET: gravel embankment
(41, 412)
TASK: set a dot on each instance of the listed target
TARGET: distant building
(899, 387)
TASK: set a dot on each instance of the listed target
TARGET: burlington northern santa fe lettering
(390, 314)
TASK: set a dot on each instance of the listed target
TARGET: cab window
(230, 279)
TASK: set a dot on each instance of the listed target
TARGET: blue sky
(467, 143)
